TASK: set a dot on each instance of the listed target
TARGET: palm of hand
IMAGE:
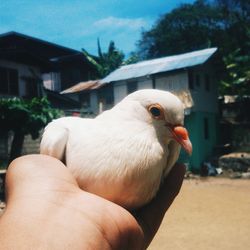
(62, 216)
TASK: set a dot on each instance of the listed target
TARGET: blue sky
(78, 23)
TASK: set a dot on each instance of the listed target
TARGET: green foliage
(27, 116)
(219, 23)
(106, 62)
(133, 58)
(186, 28)
(237, 79)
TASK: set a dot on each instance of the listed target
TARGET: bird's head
(164, 111)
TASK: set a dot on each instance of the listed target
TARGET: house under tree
(191, 76)
(31, 67)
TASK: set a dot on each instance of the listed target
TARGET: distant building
(29, 65)
(191, 76)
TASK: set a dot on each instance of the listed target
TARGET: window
(85, 99)
(8, 81)
(52, 81)
(3, 81)
(106, 94)
(197, 80)
(31, 87)
(190, 79)
(206, 129)
(131, 87)
(207, 82)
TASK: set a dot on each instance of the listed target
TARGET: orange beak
(180, 134)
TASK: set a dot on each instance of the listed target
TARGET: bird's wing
(54, 141)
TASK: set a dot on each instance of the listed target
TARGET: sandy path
(212, 213)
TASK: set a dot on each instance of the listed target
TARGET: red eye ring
(156, 111)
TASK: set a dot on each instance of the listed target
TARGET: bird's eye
(156, 112)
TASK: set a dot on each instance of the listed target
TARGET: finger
(34, 173)
(150, 216)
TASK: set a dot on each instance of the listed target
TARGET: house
(191, 76)
(32, 67)
(84, 93)
(94, 96)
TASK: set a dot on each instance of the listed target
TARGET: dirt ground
(209, 213)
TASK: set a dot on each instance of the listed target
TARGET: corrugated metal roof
(163, 64)
(82, 86)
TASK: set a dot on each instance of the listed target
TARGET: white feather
(121, 155)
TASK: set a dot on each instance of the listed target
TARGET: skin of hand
(47, 210)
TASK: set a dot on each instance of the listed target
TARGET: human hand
(47, 210)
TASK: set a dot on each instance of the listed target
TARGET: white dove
(124, 153)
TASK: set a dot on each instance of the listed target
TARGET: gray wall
(23, 71)
(205, 101)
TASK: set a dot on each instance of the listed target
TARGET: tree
(106, 62)
(133, 58)
(219, 23)
(24, 117)
(237, 79)
(188, 27)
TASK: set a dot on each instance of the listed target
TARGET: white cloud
(114, 22)
(123, 31)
